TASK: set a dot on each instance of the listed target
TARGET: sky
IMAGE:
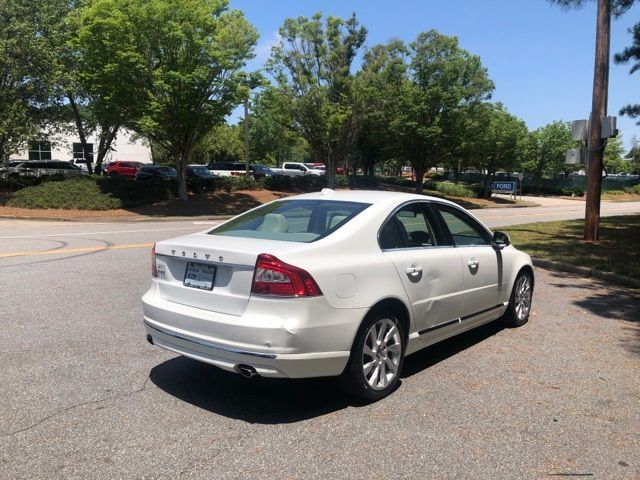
(539, 56)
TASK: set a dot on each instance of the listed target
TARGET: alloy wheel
(523, 297)
(381, 354)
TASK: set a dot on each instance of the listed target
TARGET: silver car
(43, 168)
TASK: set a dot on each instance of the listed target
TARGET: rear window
(292, 220)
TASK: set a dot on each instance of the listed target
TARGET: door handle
(414, 270)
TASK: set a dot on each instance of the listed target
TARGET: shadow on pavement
(256, 400)
(435, 354)
(611, 302)
(274, 401)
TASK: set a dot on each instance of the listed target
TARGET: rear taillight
(274, 277)
(154, 266)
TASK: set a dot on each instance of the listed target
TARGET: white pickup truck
(295, 169)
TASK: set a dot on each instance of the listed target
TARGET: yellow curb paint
(62, 251)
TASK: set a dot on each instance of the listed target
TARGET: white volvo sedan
(333, 283)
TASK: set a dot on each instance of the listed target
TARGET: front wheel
(376, 358)
(519, 307)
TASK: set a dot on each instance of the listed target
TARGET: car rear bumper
(307, 339)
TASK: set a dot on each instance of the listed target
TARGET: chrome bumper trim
(214, 346)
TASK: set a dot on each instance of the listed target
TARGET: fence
(574, 181)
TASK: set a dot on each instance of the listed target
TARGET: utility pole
(598, 112)
(246, 136)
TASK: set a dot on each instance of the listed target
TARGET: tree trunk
(183, 194)
(330, 174)
(107, 135)
(81, 133)
(598, 112)
(420, 171)
(246, 137)
(486, 192)
(538, 178)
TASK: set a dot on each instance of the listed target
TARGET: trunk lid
(234, 260)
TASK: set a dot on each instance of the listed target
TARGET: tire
(519, 308)
(370, 374)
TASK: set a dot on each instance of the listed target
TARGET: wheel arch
(529, 270)
(395, 305)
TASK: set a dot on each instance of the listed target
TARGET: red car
(123, 169)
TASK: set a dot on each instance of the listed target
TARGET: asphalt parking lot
(84, 396)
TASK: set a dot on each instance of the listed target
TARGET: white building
(68, 147)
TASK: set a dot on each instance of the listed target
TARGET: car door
(481, 264)
(430, 271)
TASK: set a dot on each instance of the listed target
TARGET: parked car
(123, 169)
(295, 169)
(225, 169)
(9, 167)
(146, 172)
(333, 284)
(317, 166)
(80, 162)
(43, 168)
(261, 171)
(200, 171)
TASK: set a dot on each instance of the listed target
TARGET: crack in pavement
(81, 404)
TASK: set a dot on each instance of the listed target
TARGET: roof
(365, 196)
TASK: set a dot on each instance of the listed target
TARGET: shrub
(233, 183)
(435, 176)
(93, 193)
(635, 189)
(572, 192)
(454, 190)
(399, 181)
(77, 193)
(14, 182)
(134, 193)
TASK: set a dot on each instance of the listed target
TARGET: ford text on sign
(503, 187)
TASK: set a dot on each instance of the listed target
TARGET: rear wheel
(376, 358)
(519, 307)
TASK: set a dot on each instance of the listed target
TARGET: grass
(617, 251)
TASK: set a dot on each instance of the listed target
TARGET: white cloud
(263, 51)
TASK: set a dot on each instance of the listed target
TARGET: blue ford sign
(503, 187)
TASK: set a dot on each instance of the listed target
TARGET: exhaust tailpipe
(247, 371)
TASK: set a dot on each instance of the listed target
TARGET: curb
(587, 272)
(126, 219)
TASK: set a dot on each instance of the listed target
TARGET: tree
(631, 55)
(223, 143)
(380, 83)
(443, 80)
(171, 66)
(25, 81)
(312, 68)
(613, 156)
(605, 9)
(466, 137)
(274, 138)
(547, 150)
(502, 144)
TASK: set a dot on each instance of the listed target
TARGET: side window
(409, 227)
(464, 229)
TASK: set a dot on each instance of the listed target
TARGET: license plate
(199, 275)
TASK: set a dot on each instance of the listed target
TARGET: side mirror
(500, 240)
